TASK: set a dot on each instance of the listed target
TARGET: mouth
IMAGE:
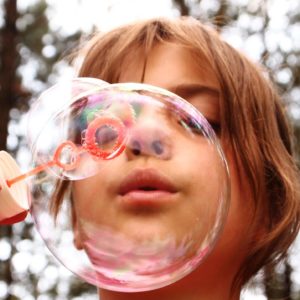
(146, 187)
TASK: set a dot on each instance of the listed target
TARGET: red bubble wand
(14, 203)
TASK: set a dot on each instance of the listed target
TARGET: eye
(190, 124)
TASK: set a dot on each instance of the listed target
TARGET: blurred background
(35, 38)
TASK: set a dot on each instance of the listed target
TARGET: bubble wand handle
(32, 172)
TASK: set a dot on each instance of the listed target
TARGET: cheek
(87, 194)
(232, 246)
(204, 183)
(242, 202)
(204, 172)
(101, 181)
(92, 195)
(238, 228)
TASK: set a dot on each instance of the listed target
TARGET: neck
(108, 295)
(189, 288)
(212, 280)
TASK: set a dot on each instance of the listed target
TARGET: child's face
(99, 200)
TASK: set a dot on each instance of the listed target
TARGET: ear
(76, 231)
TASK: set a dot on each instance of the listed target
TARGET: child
(190, 59)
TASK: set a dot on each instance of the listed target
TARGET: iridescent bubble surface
(136, 188)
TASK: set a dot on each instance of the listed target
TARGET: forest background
(36, 36)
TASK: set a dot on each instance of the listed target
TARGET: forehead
(168, 65)
(177, 69)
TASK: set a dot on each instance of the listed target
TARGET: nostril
(136, 148)
(144, 141)
(157, 147)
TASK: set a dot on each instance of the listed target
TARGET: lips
(146, 188)
(146, 181)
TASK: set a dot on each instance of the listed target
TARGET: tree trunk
(184, 9)
(8, 64)
(8, 67)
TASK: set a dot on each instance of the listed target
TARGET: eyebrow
(188, 90)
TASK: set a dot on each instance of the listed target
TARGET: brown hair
(252, 117)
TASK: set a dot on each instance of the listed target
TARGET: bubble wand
(14, 199)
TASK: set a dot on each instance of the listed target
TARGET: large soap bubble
(136, 190)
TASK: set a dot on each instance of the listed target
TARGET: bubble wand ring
(74, 156)
(91, 145)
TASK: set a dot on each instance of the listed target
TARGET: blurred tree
(9, 81)
(9, 91)
(277, 281)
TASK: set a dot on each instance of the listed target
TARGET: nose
(149, 138)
